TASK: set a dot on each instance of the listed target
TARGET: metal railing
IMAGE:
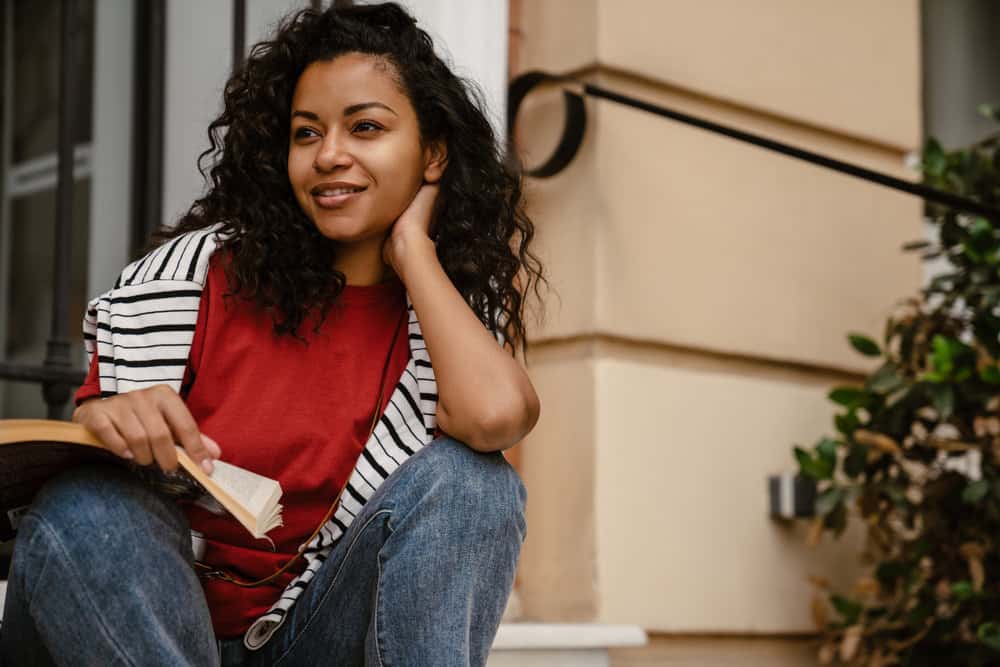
(576, 120)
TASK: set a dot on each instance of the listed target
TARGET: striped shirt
(141, 331)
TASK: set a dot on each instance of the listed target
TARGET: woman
(360, 223)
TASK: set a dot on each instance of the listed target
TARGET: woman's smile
(336, 195)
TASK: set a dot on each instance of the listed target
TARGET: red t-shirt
(298, 414)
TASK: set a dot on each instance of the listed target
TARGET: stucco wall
(703, 290)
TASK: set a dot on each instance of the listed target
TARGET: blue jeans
(102, 574)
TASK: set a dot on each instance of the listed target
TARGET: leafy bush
(916, 457)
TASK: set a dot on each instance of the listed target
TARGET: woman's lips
(335, 201)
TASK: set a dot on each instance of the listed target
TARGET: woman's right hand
(144, 425)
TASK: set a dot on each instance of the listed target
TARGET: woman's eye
(301, 132)
(366, 124)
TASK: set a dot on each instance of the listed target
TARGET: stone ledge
(560, 644)
(515, 636)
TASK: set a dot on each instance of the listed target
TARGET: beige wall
(850, 66)
(684, 541)
(703, 291)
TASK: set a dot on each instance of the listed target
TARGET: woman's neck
(362, 264)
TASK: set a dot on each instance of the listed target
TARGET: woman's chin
(344, 232)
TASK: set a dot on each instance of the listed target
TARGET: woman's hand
(145, 424)
(413, 225)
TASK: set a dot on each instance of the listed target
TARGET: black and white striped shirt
(141, 331)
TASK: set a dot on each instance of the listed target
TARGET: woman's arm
(485, 398)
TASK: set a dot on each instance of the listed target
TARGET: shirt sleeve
(91, 387)
(198, 341)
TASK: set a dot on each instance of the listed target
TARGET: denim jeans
(102, 574)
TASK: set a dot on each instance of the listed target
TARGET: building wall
(702, 292)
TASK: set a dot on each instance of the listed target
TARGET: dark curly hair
(280, 260)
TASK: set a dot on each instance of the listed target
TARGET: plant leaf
(990, 374)
(849, 610)
(934, 162)
(990, 111)
(981, 229)
(836, 520)
(989, 634)
(846, 423)
(849, 396)
(889, 571)
(864, 345)
(827, 451)
(813, 467)
(975, 491)
(886, 379)
(962, 590)
(854, 464)
(829, 500)
(943, 397)
(941, 355)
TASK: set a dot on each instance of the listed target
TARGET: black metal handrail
(576, 117)
(148, 91)
(239, 32)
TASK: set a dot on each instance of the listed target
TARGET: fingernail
(213, 446)
(128, 454)
(206, 465)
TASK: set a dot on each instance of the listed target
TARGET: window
(30, 119)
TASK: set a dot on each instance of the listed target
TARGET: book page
(255, 492)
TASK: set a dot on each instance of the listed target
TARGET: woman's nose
(332, 154)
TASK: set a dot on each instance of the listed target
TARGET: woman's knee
(481, 487)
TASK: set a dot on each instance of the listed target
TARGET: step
(523, 644)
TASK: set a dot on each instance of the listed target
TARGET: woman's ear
(435, 161)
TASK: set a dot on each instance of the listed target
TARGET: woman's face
(355, 159)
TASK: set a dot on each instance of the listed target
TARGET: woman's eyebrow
(348, 111)
(305, 114)
(355, 108)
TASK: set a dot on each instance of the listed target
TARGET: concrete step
(522, 644)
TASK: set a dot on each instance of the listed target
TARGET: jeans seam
(375, 611)
(333, 582)
(97, 615)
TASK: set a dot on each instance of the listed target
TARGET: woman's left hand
(412, 226)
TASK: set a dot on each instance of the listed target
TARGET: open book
(33, 450)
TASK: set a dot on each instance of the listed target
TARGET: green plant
(916, 457)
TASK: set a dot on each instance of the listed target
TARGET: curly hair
(279, 259)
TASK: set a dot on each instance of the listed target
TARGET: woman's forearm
(485, 397)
